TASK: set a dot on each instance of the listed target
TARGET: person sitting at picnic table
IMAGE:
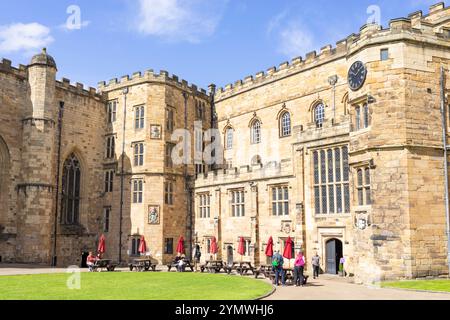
(90, 261)
(181, 264)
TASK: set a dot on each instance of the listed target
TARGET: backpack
(276, 262)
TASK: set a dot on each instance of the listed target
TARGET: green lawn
(132, 286)
(429, 285)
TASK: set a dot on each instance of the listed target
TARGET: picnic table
(241, 267)
(101, 264)
(213, 266)
(142, 264)
(288, 276)
(174, 264)
(265, 270)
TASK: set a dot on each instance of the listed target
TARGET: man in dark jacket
(316, 265)
(277, 263)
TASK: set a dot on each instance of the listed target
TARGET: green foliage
(133, 286)
(427, 285)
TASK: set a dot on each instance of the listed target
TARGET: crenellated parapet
(78, 89)
(149, 76)
(6, 67)
(417, 27)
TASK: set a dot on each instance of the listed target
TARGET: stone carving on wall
(362, 220)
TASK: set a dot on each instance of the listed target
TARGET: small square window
(384, 54)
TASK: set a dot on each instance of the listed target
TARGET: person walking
(299, 268)
(277, 264)
(316, 265)
(197, 256)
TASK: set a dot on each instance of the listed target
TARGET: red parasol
(288, 248)
(241, 247)
(269, 248)
(143, 245)
(180, 246)
(214, 247)
(102, 245)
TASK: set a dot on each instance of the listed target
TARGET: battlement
(247, 172)
(431, 25)
(150, 76)
(78, 88)
(6, 67)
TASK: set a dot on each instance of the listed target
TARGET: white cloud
(295, 41)
(24, 37)
(293, 38)
(180, 20)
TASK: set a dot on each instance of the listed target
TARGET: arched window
(229, 138)
(256, 132)
(319, 115)
(71, 181)
(4, 164)
(285, 125)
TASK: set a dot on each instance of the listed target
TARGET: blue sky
(201, 41)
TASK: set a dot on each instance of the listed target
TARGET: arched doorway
(334, 253)
(230, 258)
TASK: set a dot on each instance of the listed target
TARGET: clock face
(357, 75)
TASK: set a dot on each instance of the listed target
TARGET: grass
(132, 286)
(427, 285)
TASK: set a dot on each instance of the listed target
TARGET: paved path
(334, 288)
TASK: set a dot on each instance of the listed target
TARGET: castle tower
(37, 186)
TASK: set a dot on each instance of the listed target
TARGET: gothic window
(138, 191)
(109, 181)
(285, 125)
(362, 117)
(168, 193)
(168, 246)
(170, 120)
(331, 181)
(319, 115)
(135, 244)
(280, 201)
(71, 183)
(106, 218)
(363, 186)
(112, 111)
(238, 203)
(139, 117)
(204, 206)
(357, 118)
(4, 164)
(229, 138)
(138, 154)
(110, 147)
(256, 132)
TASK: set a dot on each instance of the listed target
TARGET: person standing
(90, 261)
(299, 268)
(316, 265)
(277, 264)
(197, 256)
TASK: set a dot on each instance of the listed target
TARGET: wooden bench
(142, 265)
(104, 264)
(174, 264)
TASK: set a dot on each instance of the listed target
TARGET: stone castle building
(341, 150)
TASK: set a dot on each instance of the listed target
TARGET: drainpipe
(444, 140)
(58, 173)
(125, 92)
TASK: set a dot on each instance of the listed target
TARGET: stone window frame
(106, 218)
(229, 137)
(237, 204)
(168, 246)
(168, 150)
(255, 131)
(110, 151)
(135, 244)
(285, 124)
(139, 153)
(170, 118)
(362, 119)
(204, 205)
(139, 117)
(169, 193)
(336, 180)
(363, 185)
(111, 109)
(318, 114)
(109, 181)
(247, 245)
(384, 54)
(285, 211)
(71, 196)
(138, 191)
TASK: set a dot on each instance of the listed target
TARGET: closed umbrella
(180, 246)
(214, 247)
(241, 247)
(288, 250)
(143, 246)
(269, 248)
(101, 245)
